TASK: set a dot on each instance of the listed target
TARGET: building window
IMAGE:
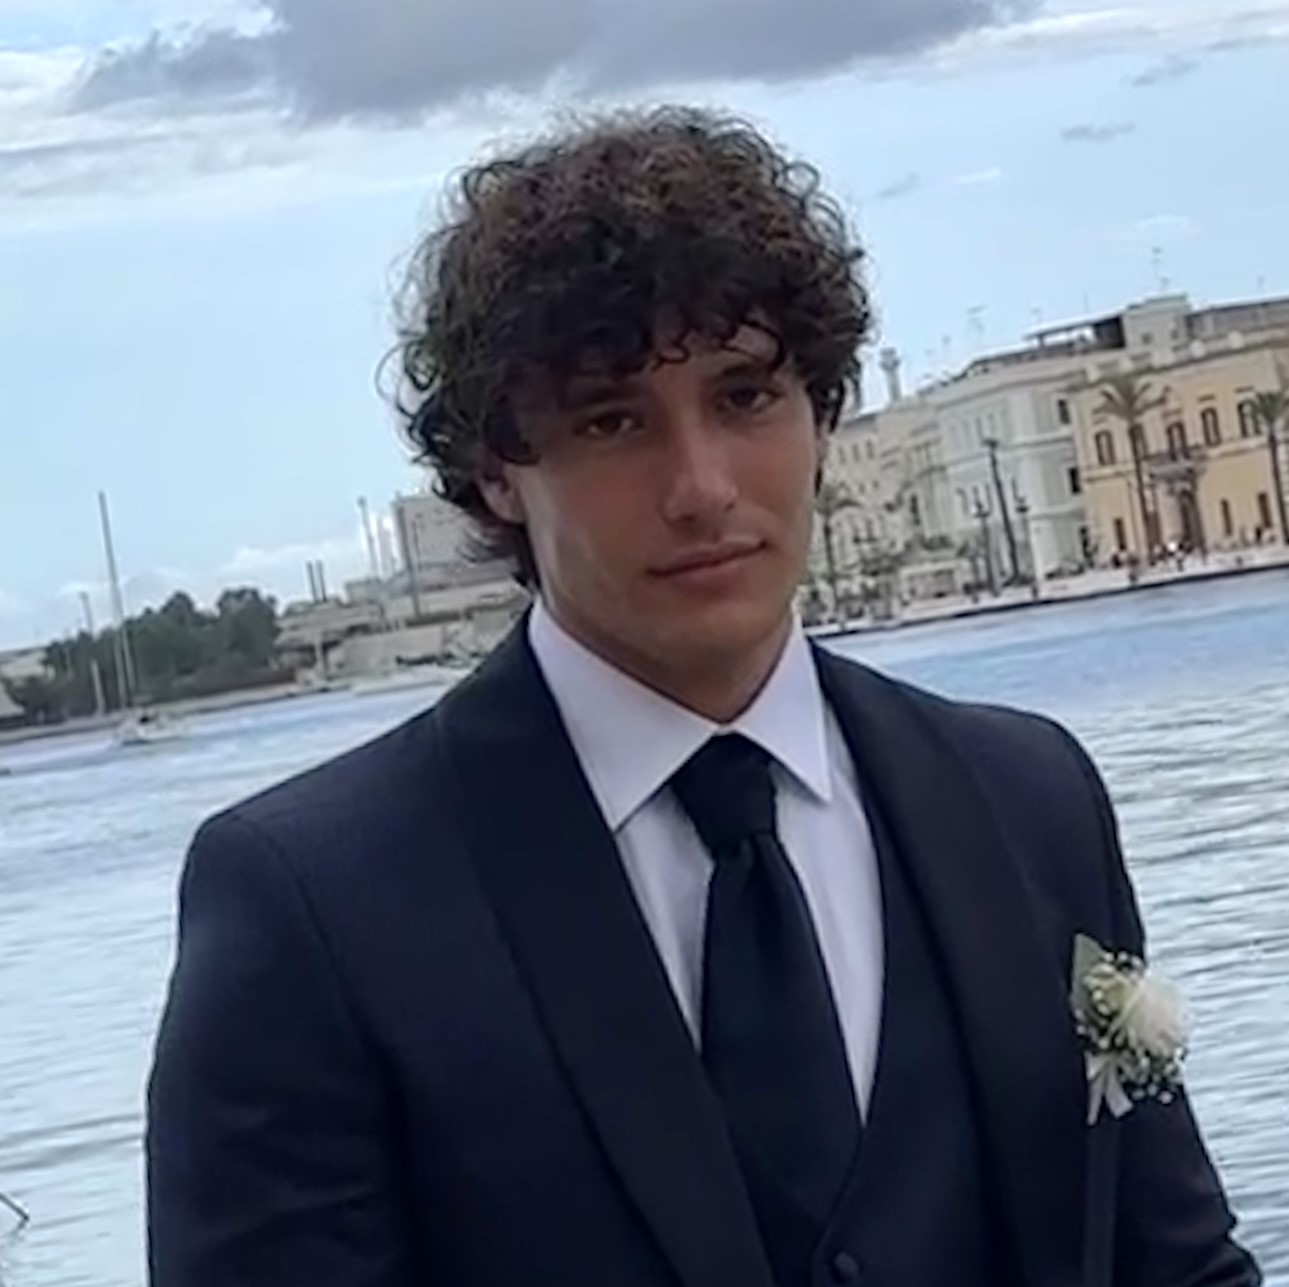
(1228, 520)
(1212, 427)
(1177, 447)
(1076, 483)
(1120, 536)
(1264, 511)
(963, 506)
(1248, 419)
(1105, 448)
(1063, 412)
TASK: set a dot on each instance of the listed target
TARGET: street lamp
(983, 512)
(1023, 509)
(992, 446)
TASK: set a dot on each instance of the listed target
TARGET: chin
(725, 628)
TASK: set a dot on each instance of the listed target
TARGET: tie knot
(728, 793)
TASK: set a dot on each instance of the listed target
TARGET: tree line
(172, 653)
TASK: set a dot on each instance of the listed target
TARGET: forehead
(600, 369)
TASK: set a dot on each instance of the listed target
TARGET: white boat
(149, 728)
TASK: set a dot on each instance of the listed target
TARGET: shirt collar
(630, 739)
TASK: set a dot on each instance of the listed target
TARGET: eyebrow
(750, 364)
(591, 390)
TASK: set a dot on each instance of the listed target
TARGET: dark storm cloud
(395, 58)
(1098, 133)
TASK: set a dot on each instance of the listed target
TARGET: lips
(707, 557)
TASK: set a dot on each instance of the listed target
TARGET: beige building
(884, 512)
(996, 474)
(1205, 479)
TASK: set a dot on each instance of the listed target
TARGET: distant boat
(139, 726)
(149, 728)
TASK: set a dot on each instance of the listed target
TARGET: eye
(609, 423)
(750, 399)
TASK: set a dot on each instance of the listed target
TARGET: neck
(719, 690)
(715, 685)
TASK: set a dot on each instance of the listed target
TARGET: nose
(700, 482)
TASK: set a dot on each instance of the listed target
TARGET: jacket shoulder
(361, 801)
(1033, 775)
(1011, 738)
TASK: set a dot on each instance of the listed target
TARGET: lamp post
(983, 512)
(991, 446)
(1023, 509)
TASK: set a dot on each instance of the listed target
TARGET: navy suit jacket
(417, 1033)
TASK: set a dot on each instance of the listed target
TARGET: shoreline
(236, 700)
(1087, 588)
(1100, 584)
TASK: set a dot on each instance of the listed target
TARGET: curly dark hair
(566, 254)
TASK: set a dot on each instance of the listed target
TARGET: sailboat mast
(125, 663)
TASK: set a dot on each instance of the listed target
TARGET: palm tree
(1271, 410)
(1128, 399)
(831, 500)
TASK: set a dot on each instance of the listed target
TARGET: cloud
(1165, 226)
(125, 162)
(395, 59)
(1268, 24)
(1182, 28)
(979, 178)
(901, 188)
(10, 605)
(346, 554)
(1087, 133)
(212, 67)
(1174, 67)
(1079, 34)
(1157, 230)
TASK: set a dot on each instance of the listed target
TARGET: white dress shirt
(630, 740)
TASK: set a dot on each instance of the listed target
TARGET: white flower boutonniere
(1133, 1030)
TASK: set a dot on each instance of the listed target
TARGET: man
(666, 949)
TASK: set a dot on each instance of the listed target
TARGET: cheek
(788, 481)
(585, 519)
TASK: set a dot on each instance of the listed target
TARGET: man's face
(670, 511)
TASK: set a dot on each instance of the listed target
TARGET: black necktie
(771, 1041)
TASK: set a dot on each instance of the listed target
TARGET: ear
(501, 496)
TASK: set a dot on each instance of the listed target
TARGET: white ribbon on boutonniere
(1132, 1025)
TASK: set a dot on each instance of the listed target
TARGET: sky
(205, 207)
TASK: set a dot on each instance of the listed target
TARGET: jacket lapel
(1023, 1054)
(552, 872)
